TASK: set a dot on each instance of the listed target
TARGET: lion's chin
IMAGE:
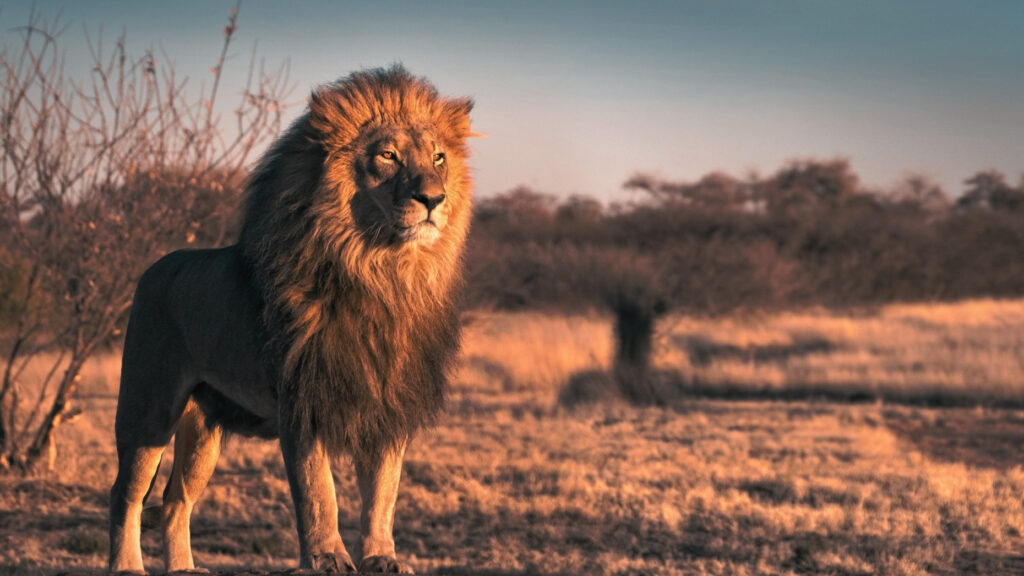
(424, 233)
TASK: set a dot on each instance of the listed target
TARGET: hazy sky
(577, 96)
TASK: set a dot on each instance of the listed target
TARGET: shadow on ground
(981, 438)
(702, 351)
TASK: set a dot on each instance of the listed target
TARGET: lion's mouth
(425, 232)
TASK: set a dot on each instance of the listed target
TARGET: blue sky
(577, 96)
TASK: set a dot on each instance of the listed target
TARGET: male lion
(331, 324)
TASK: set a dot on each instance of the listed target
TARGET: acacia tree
(99, 176)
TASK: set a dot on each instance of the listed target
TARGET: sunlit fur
(359, 316)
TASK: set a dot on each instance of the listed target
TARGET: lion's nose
(430, 202)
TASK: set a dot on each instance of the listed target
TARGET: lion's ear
(322, 108)
(455, 118)
(327, 116)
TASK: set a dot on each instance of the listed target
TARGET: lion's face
(401, 195)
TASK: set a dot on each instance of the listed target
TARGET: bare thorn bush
(100, 174)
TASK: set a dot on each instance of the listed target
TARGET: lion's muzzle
(423, 216)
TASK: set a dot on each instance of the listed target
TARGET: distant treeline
(809, 234)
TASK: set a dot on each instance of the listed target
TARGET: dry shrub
(99, 176)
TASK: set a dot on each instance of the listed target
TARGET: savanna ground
(886, 441)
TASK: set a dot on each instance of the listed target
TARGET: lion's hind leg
(150, 402)
(196, 449)
(137, 466)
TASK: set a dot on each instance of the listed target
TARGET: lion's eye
(438, 158)
(388, 155)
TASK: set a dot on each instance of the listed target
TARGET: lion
(331, 325)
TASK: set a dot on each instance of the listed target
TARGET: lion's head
(375, 175)
(396, 151)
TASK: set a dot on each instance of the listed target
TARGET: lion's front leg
(379, 475)
(316, 510)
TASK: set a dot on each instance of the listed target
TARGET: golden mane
(360, 330)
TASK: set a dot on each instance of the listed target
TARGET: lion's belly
(246, 389)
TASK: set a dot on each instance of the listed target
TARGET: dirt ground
(713, 487)
(515, 482)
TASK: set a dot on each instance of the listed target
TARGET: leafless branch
(100, 174)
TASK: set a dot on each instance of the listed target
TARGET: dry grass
(961, 354)
(514, 483)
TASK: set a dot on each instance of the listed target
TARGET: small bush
(86, 542)
(273, 544)
(589, 386)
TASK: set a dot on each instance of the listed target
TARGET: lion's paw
(384, 564)
(333, 562)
